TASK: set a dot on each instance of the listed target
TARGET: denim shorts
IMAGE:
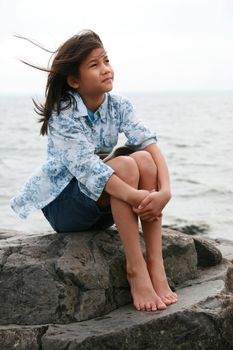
(73, 211)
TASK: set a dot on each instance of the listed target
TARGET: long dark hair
(66, 61)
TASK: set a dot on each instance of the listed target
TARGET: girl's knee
(126, 168)
(145, 162)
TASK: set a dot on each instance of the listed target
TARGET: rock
(202, 319)
(224, 246)
(63, 278)
(229, 280)
(227, 321)
(180, 256)
(191, 229)
(21, 338)
(207, 253)
(197, 321)
(4, 234)
(70, 291)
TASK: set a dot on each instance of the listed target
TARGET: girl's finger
(144, 212)
(144, 202)
(148, 211)
(137, 211)
(140, 211)
(148, 217)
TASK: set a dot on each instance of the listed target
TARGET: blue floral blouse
(74, 141)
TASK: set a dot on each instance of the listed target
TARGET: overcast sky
(153, 45)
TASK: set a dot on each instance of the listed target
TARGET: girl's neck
(93, 102)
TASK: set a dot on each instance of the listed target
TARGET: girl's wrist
(136, 196)
(131, 196)
(166, 193)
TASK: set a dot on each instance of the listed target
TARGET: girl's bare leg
(153, 231)
(143, 293)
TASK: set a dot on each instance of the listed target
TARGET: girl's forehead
(96, 54)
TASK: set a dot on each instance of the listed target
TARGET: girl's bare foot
(144, 296)
(159, 282)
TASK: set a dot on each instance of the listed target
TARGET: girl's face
(95, 74)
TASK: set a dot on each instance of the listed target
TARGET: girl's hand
(151, 207)
(137, 197)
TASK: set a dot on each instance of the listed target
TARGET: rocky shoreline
(70, 291)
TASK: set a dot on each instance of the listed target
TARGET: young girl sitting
(78, 190)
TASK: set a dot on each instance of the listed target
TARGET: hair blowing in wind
(66, 61)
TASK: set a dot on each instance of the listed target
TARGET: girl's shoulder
(69, 105)
(119, 101)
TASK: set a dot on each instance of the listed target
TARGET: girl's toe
(153, 307)
(142, 307)
(166, 300)
(161, 305)
(173, 298)
(137, 306)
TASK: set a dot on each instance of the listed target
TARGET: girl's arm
(151, 207)
(163, 173)
(121, 190)
(140, 137)
(151, 203)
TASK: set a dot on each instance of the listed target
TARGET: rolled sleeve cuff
(148, 142)
(21, 212)
(144, 144)
(94, 189)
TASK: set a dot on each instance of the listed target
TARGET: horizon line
(136, 92)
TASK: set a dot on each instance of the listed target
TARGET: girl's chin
(109, 88)
(102, 90)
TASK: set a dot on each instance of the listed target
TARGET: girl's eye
(93, 65)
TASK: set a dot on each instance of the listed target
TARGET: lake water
(195, 134)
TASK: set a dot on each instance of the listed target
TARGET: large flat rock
(202, 319)
(63, 278)
(70, 292)
(126, 328)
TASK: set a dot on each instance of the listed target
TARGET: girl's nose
(105, 69)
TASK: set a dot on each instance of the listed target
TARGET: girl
(76, 189)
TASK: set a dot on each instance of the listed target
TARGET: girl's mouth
(107, 80)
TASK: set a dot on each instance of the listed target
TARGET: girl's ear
(72, 81)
